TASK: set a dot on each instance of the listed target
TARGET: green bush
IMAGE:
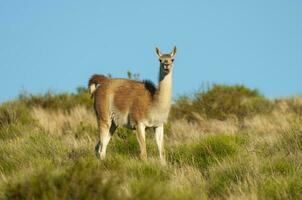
(220, 102)
(62, 101)
(183, 109)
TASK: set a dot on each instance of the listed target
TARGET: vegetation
(228, 142)
(221, 102)
(63, 101)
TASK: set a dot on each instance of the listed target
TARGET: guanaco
(134, 104)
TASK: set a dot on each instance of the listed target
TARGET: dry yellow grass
(183, 131)
(229, 126)
(58, 122)
(276, 122)
(187, 179)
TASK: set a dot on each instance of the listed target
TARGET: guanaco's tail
(96, 80)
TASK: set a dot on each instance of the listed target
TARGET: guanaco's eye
(159, 60)
(172, 60)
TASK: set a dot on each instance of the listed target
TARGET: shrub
(183, 109)
(62, 101)
(220, 102)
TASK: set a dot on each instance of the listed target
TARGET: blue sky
(56, 45)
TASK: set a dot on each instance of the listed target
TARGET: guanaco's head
(166, 60)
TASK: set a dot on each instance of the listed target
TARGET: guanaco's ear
(158, 52)
(173, 53)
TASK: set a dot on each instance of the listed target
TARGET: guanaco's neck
(164, 91)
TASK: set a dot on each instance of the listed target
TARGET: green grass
(207, 151)
(281, 187)
(83, 180)
(36, 163)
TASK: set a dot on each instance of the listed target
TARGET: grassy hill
(228, 142)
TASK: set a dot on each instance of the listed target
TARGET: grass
(207, 151)
(48, 153)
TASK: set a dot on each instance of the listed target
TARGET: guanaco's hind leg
(105, 135)
(140, 134)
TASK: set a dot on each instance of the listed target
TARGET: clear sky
(56, 45)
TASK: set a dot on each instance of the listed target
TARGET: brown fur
(129, 97)
(97, 79)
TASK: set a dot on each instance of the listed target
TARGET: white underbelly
(156, 119)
